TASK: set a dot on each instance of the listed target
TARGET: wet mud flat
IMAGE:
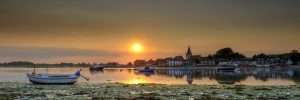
(121, 91)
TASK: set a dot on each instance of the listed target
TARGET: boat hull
(146, 70)
(43, 80)
(96, 68)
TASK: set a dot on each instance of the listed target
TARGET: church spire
(189, 56)
(189, 50)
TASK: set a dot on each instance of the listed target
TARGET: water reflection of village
(262, 74)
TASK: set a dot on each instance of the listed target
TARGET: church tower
(189, 56)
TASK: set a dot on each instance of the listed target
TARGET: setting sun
(136, 48)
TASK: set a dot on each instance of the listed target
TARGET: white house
(176, 61)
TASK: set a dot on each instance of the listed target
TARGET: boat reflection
(148, 74)
(93, 72)
(112, 70)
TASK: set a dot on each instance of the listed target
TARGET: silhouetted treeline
(31, 64)
(228, 54)
(17, 63)
(64, 65)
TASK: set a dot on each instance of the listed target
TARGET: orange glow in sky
(136, 48)
(105, 31)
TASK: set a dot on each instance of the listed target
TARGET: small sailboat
(96, 67)
(44, 78)
(146, 69)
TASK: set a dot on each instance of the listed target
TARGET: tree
(236, 56)
(294, 52)
(223, 53)
(228, 54)
(129, 64)
(210, 57)
(262, 55)
(20, 63)
(295, 57)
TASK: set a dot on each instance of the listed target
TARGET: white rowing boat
(53, 78)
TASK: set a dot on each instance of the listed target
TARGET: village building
(206, 62)
(236, 62)
(176, 61)
(252, 63)
(150, 63)
(161, 62)
(112, 64)
(273, 61)
(140, 63)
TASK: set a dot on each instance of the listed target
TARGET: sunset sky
(54, 31)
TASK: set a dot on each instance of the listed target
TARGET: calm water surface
(246, 76)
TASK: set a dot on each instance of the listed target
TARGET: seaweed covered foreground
(14, 90)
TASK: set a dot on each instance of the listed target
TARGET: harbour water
(200, 76)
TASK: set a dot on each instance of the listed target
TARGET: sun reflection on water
(136, 81)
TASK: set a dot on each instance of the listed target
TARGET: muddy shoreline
(17, 90)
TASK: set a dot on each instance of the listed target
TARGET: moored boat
(96, 67)
(146, 69)
(44, 78)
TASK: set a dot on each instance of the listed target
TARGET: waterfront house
(252, 63)
(176, 61)
(272, 60)
(112, 64)
(235, 62)
(161, 62)
(243, 62)
(195, 59)
(150, 63)
(206, 62)
(140, 63)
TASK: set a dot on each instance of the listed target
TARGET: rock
(213, 92)
(263, 88)
(97, 98)
(185, 93)
(150, 94)
(206, 97)
(191, 98)
(81, 93)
